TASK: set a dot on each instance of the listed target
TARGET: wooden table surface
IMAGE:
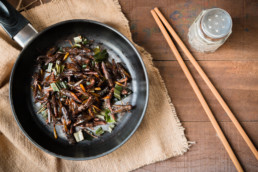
(233, 69)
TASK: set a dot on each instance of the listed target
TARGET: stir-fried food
(77, 88)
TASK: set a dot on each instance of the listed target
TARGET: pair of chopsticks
(159, 18)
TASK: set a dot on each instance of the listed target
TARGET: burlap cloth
(160, 136)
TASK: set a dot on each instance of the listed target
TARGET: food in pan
(78, 87)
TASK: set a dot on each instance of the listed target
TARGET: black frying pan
(37, 44)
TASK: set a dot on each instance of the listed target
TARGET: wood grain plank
(236, 81)
(181, 13)
(208, 153)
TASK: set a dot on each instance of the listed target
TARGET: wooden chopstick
(208, 82)
(198, 93)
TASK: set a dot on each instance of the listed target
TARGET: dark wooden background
(233, 69)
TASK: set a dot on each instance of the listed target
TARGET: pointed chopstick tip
(156, 8)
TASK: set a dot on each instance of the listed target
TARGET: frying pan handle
(11, 20)
(14, 23)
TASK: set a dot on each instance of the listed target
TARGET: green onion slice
(78, 136)
(54, 86)
(49, 68)
(99, 131)
(117, 91)
(77, 39)
(101, 56)
(77, 45)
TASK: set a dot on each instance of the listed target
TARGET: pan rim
(142, 114)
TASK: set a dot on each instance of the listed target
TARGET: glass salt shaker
(210, 30)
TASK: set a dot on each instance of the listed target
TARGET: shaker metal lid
(216, 23)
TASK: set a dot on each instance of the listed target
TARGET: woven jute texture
(160, 136)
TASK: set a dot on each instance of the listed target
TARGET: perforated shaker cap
(216, 23)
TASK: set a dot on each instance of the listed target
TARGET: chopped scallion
(54, 87)
(54, 70)
(62, 84)
(117, 94)
(100, 117)
(44, 114)
(109, 129)
(42, 108)
(49, 68)
(101, 56)
(58, 67)
(96, 50)
(118, 87)
(112, 126)
(77, 45)
(117, 91)
(85, 41)
(106, 114)
(78, 136)
(109, 119)
(77, 39)
(99, 131)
